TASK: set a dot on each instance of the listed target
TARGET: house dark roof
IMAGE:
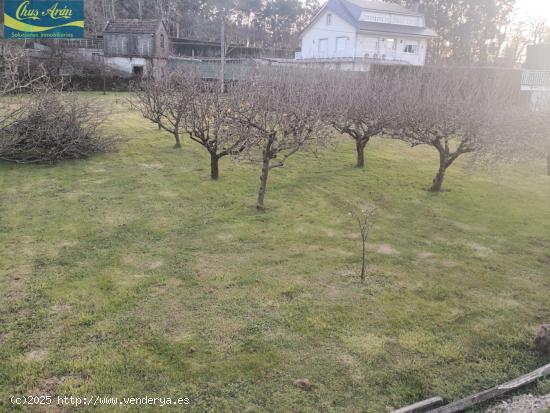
(382, 6)
(133, 26)
(350, 11)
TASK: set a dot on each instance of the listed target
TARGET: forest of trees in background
(472, 32)
(478, 32)
(255, 23)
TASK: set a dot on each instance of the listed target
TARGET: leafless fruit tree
(361, 105)
(281, 109)
(452, 109)
(184, 103)
(165, 102)
(210, 122)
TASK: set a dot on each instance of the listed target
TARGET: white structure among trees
(359, 29)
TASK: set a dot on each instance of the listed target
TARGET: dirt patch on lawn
(64, 310)
(469, 227)
(142, 263)
(225, 236)
(448, 264)
(425, 255)
(153, 265)
(480, 250)
(211, 266)
(384, 249)
(15, 291)
(22, 271)
(36, 355)
(51, 387)
(354, 236)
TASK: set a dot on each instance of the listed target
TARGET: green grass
(132, 274)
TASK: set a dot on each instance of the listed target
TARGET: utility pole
(222, 61)
(103, 69)
(140, 9)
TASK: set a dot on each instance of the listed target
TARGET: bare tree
(184, 103)
(361, 105)
(209, 121)
(164, 102)
(17, 74)
(281, 108)
(452, 110)
(363, 217)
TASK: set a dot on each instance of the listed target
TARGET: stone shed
(136, 47)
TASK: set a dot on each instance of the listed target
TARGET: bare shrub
(49, 127)
(521, 134)
(281, 109)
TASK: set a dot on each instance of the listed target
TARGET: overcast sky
(537, 9)
(525, 9)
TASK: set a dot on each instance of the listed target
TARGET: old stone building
(136, 47)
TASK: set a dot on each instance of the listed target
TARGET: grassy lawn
(132, 274)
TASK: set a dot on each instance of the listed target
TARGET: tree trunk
(438, 180)
(214, 166)
(263, 184)
(360, 147)
(364, 266)
(178, 141)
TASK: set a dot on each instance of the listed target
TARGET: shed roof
(133, 26)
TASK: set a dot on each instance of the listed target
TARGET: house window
(411, 48)
(162, 41)
(390, 44)
(329, 19)
(137, 70)
(375, 17)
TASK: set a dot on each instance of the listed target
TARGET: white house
(361, 29)
(536, 74)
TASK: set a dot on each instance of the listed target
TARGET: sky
(526, 9)
(536, 9)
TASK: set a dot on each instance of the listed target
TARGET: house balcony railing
(535, 80)
(382, 55)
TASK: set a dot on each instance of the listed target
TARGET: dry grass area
(132, 274)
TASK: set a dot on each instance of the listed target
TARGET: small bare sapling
(363, 217)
